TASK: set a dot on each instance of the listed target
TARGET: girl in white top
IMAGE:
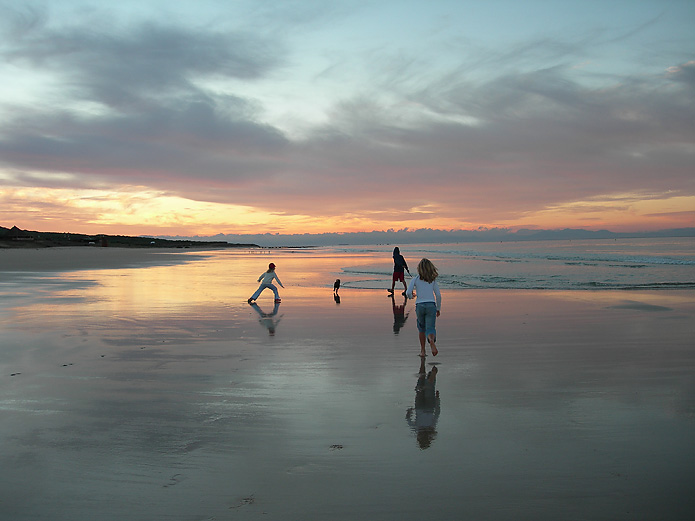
(266, 279)
(429, 303)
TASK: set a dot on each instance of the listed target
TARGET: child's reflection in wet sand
(268, 320)
(399, 314)
(423, 417)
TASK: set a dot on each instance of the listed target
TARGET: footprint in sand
(175, 480)
(250, 500)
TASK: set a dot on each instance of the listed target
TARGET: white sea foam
(590, 264)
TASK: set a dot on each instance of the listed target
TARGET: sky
(312, 116)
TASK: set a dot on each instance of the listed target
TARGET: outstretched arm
(411, 286)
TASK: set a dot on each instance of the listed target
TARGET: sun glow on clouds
(131, 211)
(147, 212)
(620, 212)
(136, 211)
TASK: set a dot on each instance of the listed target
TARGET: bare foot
(423, 354)
(431, 340)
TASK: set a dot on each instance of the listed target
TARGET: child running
(429, 303)
(266, 280)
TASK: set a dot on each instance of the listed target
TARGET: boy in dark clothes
(399, 266)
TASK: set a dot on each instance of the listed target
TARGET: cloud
(155, 120)
(684, 74)
(189, 140)
(484, 138)
(539, 137)
(124, 66)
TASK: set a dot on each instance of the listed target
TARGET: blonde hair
(427, 271)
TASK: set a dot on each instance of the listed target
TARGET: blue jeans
(426, 313)
(262, 287)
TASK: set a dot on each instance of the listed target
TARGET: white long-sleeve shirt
(425, 291)
(267, 277)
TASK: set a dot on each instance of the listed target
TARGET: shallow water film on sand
(565, 265)
(158, 392)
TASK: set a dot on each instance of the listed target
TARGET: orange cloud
(146, 212)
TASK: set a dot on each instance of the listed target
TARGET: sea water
(623, 264)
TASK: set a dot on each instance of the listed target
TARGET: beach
(80, 258)
(141, 385)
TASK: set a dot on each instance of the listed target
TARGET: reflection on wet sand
(424, 416)
(152, 393)
(399, 314)
(336, 287)
(268, 320)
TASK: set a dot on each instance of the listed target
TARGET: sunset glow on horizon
(305, 117)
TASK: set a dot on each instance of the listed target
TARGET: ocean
(623, 264)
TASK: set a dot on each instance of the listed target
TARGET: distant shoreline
(16, 238)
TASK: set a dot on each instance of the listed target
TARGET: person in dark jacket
(399, 267)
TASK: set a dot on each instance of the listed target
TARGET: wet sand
(87, 258)
(159, 393)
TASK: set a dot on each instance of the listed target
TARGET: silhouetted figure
(399, 267)
(424, 416)
(336, 287)
(266, 279)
